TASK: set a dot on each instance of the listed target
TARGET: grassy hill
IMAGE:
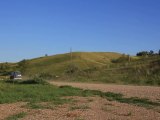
(57, 64)
(106, 67)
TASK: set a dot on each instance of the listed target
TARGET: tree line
(148, 53)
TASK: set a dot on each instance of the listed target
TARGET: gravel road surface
(150, 92)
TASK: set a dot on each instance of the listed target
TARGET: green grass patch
(120, 98)
(17, 116)
(40, 106)
(10, 93)
(35, 106)
(37, 93)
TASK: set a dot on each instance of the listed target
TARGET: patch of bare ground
(83, 108)
(7, 110)
(149, 92)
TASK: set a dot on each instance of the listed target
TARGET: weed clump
(35, 80)
(17, 116)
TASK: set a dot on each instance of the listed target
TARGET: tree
(151, 52)
(159, 52)
(143, 53)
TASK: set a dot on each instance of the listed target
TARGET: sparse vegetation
(36, 93)
(83, 107)
(129, 114)
(119, 97)
(122, 59)
(79, 118)
(106, 108)
(16, 116)
(33, 105)
(90, 100)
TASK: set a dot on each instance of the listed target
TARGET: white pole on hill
(71, 54)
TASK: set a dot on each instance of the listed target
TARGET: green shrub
(123, 58)
(72, 69)
(47, 76)
(36, 80)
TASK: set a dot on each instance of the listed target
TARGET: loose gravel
(149, 92)
(98, 109)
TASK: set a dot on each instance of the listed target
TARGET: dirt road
(152, 93)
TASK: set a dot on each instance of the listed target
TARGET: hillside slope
(57, 64)
(104, 67)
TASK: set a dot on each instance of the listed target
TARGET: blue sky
(33, 28)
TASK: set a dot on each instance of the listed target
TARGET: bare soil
(149, 92)
(83, 108)
(91, 108)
